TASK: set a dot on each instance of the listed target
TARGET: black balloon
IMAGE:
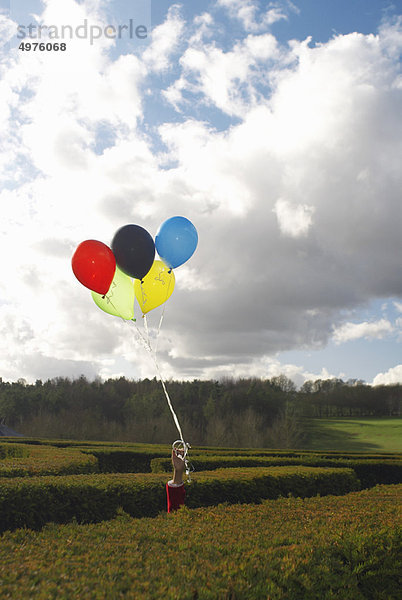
(134, 250)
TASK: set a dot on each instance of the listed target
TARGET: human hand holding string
(179, 466)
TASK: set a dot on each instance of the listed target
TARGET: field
(88, 521)
(352, 434)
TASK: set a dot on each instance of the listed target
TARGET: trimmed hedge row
(125, 457)
(210, 463)
(60, 443)
(118, 460)
(253, 484)
(372, 472)
(156, 460)
(330, 548)
(261, 452)
(46, 460)
(13, 450)
(369, 472)
(34, 501)
(57, 457)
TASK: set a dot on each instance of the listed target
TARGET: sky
(274, 127)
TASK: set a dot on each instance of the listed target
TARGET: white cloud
(293, 220)
(203, 28)
(264, 367)
(398, 306)
(398, 325)
(390, 377)
(354, 331)
(246, 11)
(165, 39)
(224, 79)
(192, 279)
(317, 128)
(296, 373)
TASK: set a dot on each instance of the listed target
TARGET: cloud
(165, 39)
(398, 306)
(225, 79)
(354, 331)
(293, 220)
(296, 373)
(46, 367)
(390, 377)
(284, 156)
(263, 367)
(248, 13)
(56, 247)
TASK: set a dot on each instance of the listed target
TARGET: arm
(178, 466)
(175, 488)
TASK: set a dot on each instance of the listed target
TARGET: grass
(354, 434)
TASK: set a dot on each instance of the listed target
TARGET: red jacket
(175, 495)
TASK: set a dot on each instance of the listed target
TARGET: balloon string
(162, 315)
(147, 331)
(146, 343)
(108, 298)
(151, 352)
(143, 294)
(145, 340)
(159, 329)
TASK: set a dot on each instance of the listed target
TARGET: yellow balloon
(156, 287)
(119, 300)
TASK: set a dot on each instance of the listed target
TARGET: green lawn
(355, 434)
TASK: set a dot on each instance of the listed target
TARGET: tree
(283, 383)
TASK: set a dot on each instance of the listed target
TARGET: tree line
(231, 412)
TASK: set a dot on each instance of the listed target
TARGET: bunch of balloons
(108, 272)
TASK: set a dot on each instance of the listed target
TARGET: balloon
(176, 240)
(119, 299)
(156, 287)
(134, 250)
(94, 265)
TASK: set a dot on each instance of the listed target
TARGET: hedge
(45, 460)
(116, 457)
(210, 451)
(330, 548)
(130, 460)
(163, 450)
(34, 501)
(369, 472)
(253, 484)
(156, 459)
(209, 463)
(13, 450)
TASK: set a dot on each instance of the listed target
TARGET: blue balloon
(175, 241)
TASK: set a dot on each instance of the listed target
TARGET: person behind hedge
(175, 490)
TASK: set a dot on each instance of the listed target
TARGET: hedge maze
(298, 506)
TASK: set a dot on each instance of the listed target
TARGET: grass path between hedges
(354, 434)
(327, 548)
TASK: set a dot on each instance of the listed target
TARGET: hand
(178, 466)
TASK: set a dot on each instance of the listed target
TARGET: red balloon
(94, 265)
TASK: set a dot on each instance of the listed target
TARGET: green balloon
(119, 300)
